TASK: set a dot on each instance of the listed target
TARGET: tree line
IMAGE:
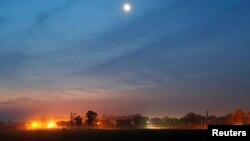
(190, 120)
(77, 121)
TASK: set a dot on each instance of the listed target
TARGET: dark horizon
(124, 56)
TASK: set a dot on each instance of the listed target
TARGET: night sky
(164, 57)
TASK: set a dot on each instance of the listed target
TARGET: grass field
(105, 135)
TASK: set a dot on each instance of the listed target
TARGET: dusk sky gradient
(165, 57)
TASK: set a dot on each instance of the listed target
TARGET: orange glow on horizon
(35, 125)
(51, 124)
(41, 125)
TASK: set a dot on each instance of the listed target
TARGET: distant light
(51, 124)
(98, 123)
(35, 125)
(127, 7)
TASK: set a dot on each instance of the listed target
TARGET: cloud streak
(20, 101)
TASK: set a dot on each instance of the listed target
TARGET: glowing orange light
(51, 124)
(35, 125)
(41, 125)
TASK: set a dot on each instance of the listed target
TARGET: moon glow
(127, 7)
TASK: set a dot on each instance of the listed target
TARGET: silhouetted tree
(63, 124)
(238, 117)
(192, 118)
(124, 123)
(156, 121)
(140, 121)
(107, 121)
(72, 117)
(75, 120)
(171, 122)
(91, 116)
(78, 121)
(223, 120)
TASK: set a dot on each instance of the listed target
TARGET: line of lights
(42, 125)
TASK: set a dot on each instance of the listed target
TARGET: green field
(105, 135)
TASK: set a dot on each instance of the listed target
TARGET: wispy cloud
(22, 100)
(45, 15)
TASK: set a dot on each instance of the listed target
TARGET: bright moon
(127, 7)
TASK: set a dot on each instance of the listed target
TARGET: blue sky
(163, 57)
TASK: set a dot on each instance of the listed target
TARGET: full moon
(127, 7)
